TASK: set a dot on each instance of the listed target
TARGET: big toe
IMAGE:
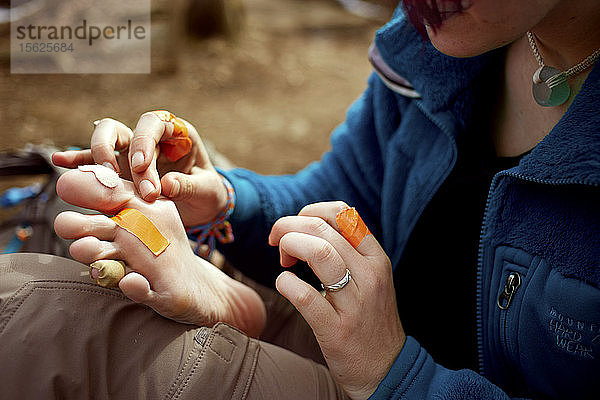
(98, 190)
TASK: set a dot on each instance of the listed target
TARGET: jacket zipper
(513, 282)
(504, 300)
(479, 293)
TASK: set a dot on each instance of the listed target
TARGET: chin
(458, 40)
(456, 48)
(470, 34)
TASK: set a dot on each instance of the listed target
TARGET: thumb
(178, 186)
(313, 306)
(204, 188)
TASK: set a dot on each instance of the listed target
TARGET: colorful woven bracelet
(218, 229)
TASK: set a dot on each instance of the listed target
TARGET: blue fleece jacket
(538, 294)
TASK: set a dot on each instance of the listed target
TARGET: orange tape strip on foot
(351, 226)
(136, 223)
(180, 143)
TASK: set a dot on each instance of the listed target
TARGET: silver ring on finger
(339, 285)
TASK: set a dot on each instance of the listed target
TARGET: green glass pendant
(550, 87)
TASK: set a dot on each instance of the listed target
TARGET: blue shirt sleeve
(415, 375)
(351, 171)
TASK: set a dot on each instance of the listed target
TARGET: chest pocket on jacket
(545, 328)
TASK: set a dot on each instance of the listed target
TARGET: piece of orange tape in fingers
(351, 226)
(136, 223)
(179, 144)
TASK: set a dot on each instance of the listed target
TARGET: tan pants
(61, 336)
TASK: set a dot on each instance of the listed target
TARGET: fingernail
(137, 159)
(284, 282)
(108, 165)
(146, 187)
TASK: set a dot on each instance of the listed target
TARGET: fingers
(328, 211)
(324, 210)
(312, 226)
(72, 158)
(323, 259)
(109, 135)
(148, 182)
(319, 220)
(320, 255)
(315, 309)
(148, 133)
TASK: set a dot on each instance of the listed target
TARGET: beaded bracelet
(218, 229)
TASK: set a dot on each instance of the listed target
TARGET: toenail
(137, 159)
(146, 187)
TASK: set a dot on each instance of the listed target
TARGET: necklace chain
(574, 70)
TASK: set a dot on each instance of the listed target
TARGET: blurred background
(263, 81)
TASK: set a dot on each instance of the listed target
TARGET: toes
(73, 225)
(137, 288)
(82, 189)
(89, 249)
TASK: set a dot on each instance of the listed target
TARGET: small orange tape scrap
(108, 272)
(351, 226)
(136, 223)
(180, 143)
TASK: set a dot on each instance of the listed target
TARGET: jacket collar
(569, 153)
(439, 79)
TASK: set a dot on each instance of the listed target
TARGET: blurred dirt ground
(268, 102)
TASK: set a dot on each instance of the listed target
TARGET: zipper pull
(512, 284)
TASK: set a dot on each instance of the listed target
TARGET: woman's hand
(191, 182)
(357, 327)
(176, 283)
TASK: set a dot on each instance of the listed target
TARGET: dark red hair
(425, 12)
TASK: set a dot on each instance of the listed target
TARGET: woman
(433, 144)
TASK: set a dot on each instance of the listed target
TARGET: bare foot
(177, 284)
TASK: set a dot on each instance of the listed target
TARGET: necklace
(551, 86)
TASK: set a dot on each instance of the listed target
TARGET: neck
(566, 36)
(569, 32)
